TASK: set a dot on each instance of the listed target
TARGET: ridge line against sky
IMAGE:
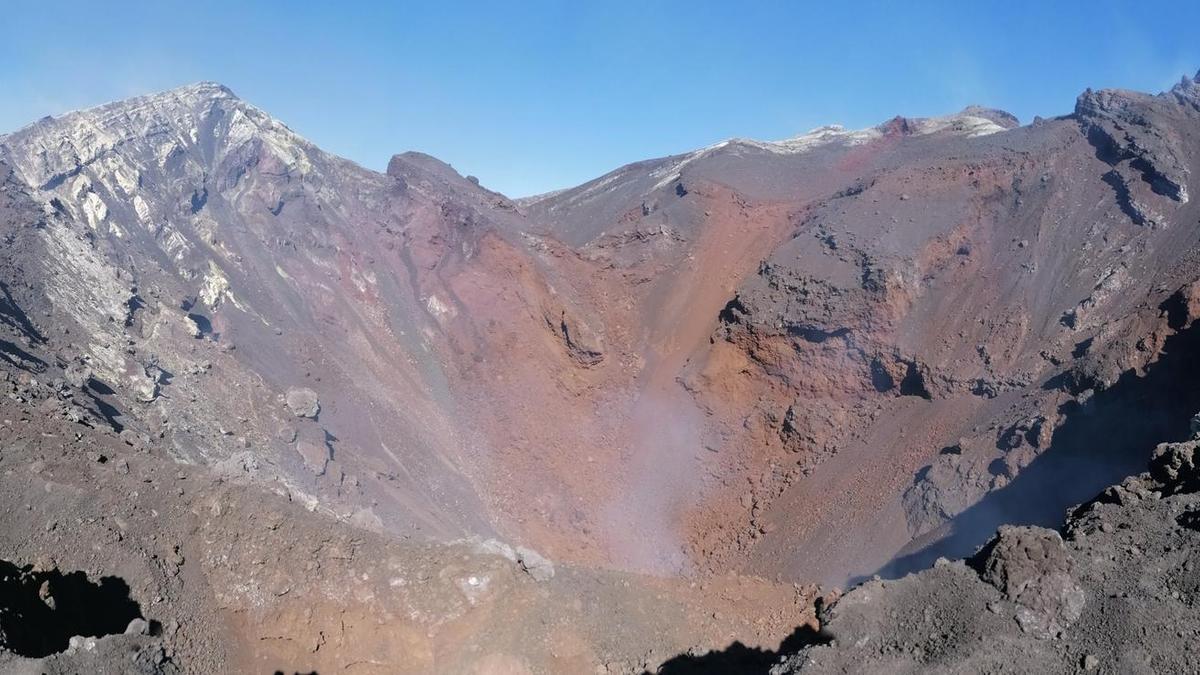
(538, 96)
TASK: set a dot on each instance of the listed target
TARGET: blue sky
(535, 96)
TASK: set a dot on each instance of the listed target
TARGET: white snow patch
(141, 208)
(94, 209)
(216, 286)
(175, 244)
(970, 126)
(965, 125)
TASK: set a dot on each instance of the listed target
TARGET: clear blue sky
(535, 96)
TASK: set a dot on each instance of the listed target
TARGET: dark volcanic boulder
(1031, 567)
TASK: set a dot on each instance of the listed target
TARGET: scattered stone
(1177, 465)
(303, 402)
(45, 596)
(131, 438)
(73, 413)
(145, 389)
(534, 564)
(315, 456)
(79, 643)
(191, 328)
(77, 375)
(175, 556)
(287, 434)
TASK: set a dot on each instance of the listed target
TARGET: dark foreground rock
(1116, 592)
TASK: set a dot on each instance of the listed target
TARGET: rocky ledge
(1116, 590)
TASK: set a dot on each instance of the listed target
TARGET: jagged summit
(202, 90)
(971, 121)
(206, 87)
(582, 213)
(196, 125)
(1188, 88)
(405, 164)
(188, 95)
(1001, 117)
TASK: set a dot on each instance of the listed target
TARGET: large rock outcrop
(1115, 592)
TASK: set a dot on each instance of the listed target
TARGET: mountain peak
(203, 120)
(188, 94)
(188, 98)
(208, 87)
(1003, 118)
(205, 90)
(1188, 88)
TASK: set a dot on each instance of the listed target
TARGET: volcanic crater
(321, 417)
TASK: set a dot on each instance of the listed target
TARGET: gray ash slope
(203, 260)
